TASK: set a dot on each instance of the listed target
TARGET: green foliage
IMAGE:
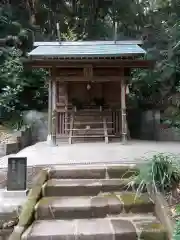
(159, 173)
(15, 122)
(20, 89)
(176, 234)
(172, 117)
(156, 22)
(161, 36)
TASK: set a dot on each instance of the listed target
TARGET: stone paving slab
(72, 187)
(81, 172)
(78, 187)
(92, 206)
(123, 229)
(135, 204)
(51, 229)
(150, 230)
(63, 208)
(93, 171)
(93, 229)
(135, 217)
(77, 207)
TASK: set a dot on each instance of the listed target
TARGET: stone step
(93, 171)
(83, 187)
(92, 206)
(98, 229)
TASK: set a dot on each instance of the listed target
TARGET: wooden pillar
(123, 109)
(54, 114)
(52, 110)
(49, 138)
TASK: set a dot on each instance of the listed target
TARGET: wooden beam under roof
(137, 63)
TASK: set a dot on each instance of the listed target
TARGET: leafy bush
(159, 173)
(9, 98)
(15, 122)
(21, 89)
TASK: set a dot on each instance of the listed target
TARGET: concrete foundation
(6, 194)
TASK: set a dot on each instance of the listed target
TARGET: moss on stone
(129, 198)
(46, 200)
(108, 195)
(153, 226)
(152, 231)
(122, 171)
(27, 212)
(34, 194)
(40, 178)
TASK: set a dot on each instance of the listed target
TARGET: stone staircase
(93, 203)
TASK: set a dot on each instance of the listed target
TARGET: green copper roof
(85, 50)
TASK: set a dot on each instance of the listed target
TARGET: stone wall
(151, 129)
(21, 139)
(168, 134)
(149, 124)
(39, 124)
(24, 137)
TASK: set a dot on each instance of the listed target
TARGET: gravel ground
(6, 136)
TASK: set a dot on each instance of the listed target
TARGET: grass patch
(160, 173)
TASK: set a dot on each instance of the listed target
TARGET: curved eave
(88, 57)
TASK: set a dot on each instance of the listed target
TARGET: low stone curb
(163, 213)
(26, 215)
(9, 148)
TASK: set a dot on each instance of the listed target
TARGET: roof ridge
(88, 43)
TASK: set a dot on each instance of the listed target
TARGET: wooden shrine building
(87, 87)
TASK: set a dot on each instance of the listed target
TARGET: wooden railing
(116, 119)
(61, 123)
(113, 117)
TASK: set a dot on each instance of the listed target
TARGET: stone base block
(13, 194)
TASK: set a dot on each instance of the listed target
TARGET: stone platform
(99, 152)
